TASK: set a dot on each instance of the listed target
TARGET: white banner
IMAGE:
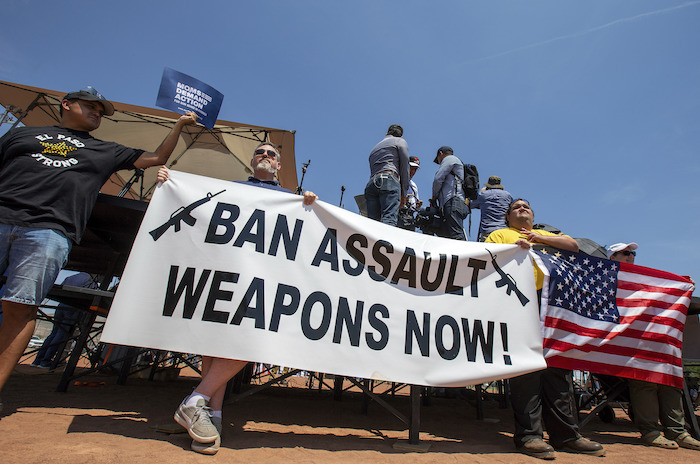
(237, 271)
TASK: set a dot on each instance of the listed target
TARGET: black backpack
(470, 181)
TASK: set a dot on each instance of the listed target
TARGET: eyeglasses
(270, 153)
(627, 253)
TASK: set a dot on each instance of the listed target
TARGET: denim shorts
(32, 258)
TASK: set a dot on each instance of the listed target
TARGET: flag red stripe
(647, 303)
(651, 318)
(629, 352)
(637, 286)
(620, 371)
(647, 271)
(572, 327)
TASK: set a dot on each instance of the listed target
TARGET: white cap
(614, 248)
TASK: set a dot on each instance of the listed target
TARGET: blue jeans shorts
(32, 258)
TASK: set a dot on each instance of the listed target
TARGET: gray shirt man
(391, 154)
(447, 182)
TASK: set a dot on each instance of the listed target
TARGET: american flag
(612, 318)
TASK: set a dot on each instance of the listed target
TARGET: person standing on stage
(201, 412)
(413, 202)
(49, 181)
(493, 200)
(386, 190)
(448, 194)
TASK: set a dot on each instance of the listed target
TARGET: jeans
(383, 195)
(454, 212)
(33, 258)
(64, 320)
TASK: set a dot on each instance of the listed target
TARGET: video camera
(429, 220)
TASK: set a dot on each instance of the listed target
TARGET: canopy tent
(223, 152)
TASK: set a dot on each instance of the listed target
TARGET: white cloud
(588, 31)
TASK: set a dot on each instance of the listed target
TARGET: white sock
(216, 414)
(194, 397)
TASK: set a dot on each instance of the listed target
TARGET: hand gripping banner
(237, 271)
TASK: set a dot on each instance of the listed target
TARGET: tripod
(134, 178)
(303, 172)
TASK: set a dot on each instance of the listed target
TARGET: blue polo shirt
(493, 204)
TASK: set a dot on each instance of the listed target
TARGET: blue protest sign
(180, 92)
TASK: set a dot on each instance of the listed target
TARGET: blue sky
(589, 109)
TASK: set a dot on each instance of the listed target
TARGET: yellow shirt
(512, 235)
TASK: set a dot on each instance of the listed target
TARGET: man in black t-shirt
(49, 181)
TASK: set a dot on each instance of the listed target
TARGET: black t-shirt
(50, 176)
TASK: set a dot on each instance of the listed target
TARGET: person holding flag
(653, 402)
(542, 399)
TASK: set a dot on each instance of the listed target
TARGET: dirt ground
(109, 423)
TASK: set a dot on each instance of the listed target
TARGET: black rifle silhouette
(182, 214)
(507, 280)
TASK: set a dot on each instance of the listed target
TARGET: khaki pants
(653, 403)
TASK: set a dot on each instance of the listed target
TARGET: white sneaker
(197, 421)
(213, 447)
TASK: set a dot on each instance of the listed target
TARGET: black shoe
(537, 448)
(582, 446)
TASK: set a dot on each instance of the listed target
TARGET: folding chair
(602, 392)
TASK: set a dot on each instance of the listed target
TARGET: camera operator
(448, 194)
(413, 203)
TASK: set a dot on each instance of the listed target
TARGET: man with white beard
(201, 412)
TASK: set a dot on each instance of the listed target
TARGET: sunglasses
(270, 153)
(628, 253)
(91, 90)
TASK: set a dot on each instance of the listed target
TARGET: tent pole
(6, 116)
(26, 112)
